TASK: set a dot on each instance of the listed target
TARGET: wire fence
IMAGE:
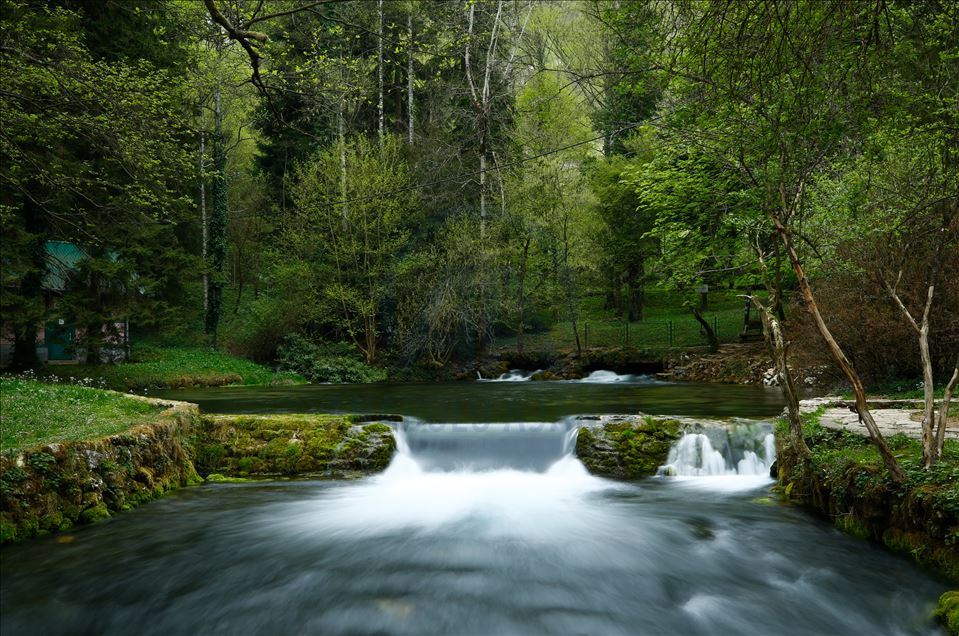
(679, 332)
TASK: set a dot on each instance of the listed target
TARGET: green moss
(217, 478)
(850, 524)
(95, 513)
(948, 611)
(293, 444)
(627, 449)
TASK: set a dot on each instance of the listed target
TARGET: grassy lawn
(174, 367)
(666, 324)
(33, 413)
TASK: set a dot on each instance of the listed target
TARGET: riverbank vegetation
(845, 479)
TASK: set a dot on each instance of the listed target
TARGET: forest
(407, 182)
(286, 260)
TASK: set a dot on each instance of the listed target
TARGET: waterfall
(742, 449)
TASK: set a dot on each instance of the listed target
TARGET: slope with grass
(175, 367)
(74, 455)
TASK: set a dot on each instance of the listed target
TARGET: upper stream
(476, 529)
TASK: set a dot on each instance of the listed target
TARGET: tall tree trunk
(409, 74)
(31, 288)
(944, 410)
(862, 407)
(217, 221)
(379, 72)
(772, 330)
(203, 227)
(341, 142)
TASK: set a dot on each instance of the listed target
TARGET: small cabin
(57, 338)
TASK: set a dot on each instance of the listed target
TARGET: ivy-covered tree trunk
(217, 224)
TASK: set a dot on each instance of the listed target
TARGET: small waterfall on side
(740, 449)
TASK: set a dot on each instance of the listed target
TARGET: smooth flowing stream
(475, 529)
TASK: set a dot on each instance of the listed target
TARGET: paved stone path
(892, 416)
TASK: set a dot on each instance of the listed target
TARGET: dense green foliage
(325, 362)
(34, 412)
(479, 172)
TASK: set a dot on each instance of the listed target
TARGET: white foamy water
(513, 375)
(417, 493)
(696, 461)
(605, 377)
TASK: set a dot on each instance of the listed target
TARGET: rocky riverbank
(53, 487)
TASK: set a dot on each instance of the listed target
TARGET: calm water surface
(494, 401)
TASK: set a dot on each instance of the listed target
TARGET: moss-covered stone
(626, 448)
(50, 488)
(948, 611)
(302, 444)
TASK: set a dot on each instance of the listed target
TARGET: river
(486, 527)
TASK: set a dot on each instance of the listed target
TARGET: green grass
(666, 324)
(155, 367)
(33, 413)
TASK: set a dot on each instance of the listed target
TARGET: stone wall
(54, 487)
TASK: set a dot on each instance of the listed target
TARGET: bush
(327, 362)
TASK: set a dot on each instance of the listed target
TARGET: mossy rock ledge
(53, 487)
(919, 520)
(626, 447)
(305, 445)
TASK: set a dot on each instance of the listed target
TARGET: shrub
(325, 362)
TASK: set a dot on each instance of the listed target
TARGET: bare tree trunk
(944, 410)
(379, 70)
(341, 142)
(862, 407)
(929, 445)
(707, 328)
(778, 349)
(409, 74)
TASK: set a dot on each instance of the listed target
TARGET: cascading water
(741, 449)
(513, 375)
(518, 479)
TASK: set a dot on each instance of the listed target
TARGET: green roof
(62, 259)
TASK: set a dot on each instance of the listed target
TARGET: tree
(775, 93)
(352, 256)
